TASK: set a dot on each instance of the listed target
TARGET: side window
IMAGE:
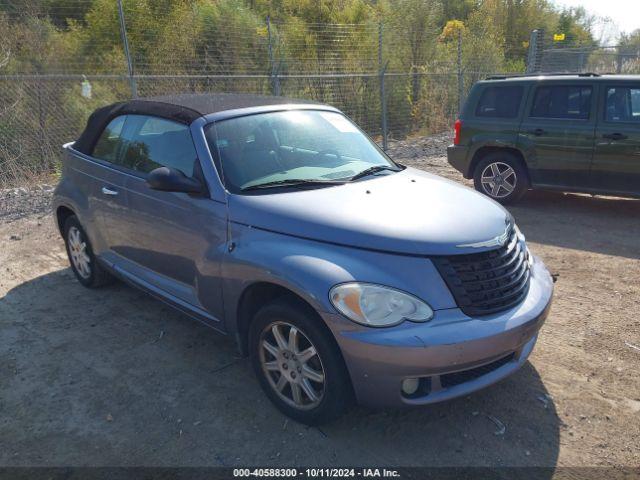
(623, 104)
(500, 102)
(152, 142)
(562, 102)
(108, 145)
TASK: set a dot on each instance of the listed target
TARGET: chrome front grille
(487, 282)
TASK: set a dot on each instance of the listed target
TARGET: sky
(625, 14)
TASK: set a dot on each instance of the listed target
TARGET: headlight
(378, 306)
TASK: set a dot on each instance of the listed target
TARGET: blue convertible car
(342, 274)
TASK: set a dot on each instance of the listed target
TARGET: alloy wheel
(78, 253)
(498, 180)
(292, 365)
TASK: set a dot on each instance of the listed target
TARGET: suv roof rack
(542, 74)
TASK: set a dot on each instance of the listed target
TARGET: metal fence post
(459, 71)
(41, 122)
(383, 96)
(125, 44)
(535, 52)
(618, 61)
(275, 81)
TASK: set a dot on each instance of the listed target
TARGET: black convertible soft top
(184, 108)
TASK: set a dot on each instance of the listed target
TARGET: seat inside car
(259, 156)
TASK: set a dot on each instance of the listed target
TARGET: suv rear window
(500, 102)
(562, 101)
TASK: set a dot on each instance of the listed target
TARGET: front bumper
(457, 158)
(480, 351)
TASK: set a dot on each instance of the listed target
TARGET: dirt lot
(113, 377)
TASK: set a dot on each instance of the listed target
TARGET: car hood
(410, 212)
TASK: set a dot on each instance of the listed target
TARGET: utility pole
(383, 94)
(275, 81)
(460, 76)
(125, 43)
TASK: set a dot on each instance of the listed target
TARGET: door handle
(108, 191)
(614, 136)
(538, 131)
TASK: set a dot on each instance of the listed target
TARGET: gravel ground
(113, 377)
(21, 202)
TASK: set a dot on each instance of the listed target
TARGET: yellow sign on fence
(558, 37)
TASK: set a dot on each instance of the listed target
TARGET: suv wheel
(298, 364)
(83, 262)
(501, 176)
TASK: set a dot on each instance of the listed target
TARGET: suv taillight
(457, 128)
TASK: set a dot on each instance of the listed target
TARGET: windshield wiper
(292, 182)
(372, 170)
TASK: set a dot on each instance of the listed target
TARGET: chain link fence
(61, 71)
(562, 54)
(38, 113)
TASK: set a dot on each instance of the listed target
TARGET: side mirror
(172, 180)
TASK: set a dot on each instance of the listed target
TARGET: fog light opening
(410, 386)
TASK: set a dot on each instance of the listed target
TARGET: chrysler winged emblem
(496, 241)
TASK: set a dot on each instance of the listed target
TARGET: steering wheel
(330, 152)
(276, 158)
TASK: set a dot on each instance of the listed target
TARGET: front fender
(309, 269)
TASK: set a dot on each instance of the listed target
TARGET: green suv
(578, 133)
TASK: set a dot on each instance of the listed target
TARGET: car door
(557, 134)
(109, 199)
(172, 241)
(616, 160)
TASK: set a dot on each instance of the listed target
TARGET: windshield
(305, 147)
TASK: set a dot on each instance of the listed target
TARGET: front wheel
(502, 177)
(298, 364)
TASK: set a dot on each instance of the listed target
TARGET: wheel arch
(258, 294)
(63, 212)
(261, 293)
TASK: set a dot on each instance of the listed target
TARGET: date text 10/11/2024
(316, 473)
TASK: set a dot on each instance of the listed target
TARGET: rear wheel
(83, 262)
(298, 364)
(501, 176)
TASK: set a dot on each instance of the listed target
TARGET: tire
(509, 179)
(275, 366)
(83, 262)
